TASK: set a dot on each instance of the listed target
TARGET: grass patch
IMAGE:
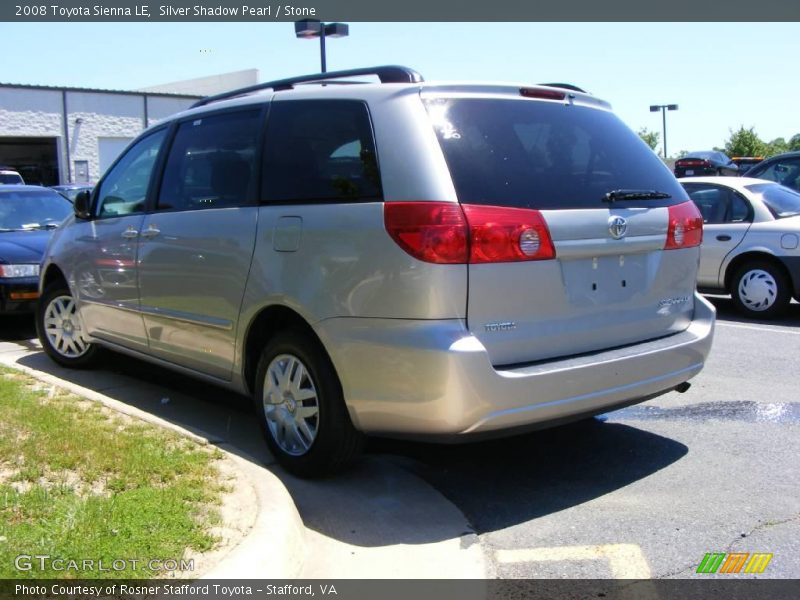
(79, 481)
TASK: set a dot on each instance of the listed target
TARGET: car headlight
(19, 271)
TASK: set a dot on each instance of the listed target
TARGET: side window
(320, 151)
(124, 189)
(785, 172)
(740, 209)
(210, 163)
(711, 201)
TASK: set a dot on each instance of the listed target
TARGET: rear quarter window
(320, 151)
(544, 155)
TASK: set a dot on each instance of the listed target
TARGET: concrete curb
(274, 546)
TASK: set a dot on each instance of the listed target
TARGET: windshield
(34, 209)
(545, 155)
(781, 201)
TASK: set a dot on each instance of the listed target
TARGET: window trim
(320, 201)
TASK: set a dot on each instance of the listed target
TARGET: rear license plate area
(604, 280)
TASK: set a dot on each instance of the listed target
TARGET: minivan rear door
(605, 198)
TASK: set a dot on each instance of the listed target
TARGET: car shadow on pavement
(726, 311)
(505, 482)
(394, 495)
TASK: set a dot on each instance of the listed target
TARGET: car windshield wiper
(34, 226)
(615, 195)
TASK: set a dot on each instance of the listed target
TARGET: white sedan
(751, 241)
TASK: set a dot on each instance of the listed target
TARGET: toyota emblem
(617, 227)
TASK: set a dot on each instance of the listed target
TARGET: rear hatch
(569, 214)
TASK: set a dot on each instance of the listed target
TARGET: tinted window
(124, 189)
(210, 163)
(10, 178)
(32, 209)
(543, 155)
(781, 201)
(786, 172)
(718, 204)
(740, 209)
(320, 151)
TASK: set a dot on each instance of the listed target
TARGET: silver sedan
(751, 241)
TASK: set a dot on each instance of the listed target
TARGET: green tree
(777, 146)
(794, 143)
(651, 138)
(745, 142)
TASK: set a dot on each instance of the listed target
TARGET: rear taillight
(500, 234)
(449, 233)
(685, 228)
(435, 232)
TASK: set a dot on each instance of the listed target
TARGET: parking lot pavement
(646, 492)
(653, 488)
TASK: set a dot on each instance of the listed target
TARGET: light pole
(311, 28)
(663, 108)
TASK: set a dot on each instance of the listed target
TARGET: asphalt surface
(649, 490)
(644, 492)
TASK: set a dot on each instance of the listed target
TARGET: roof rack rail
(566, 86)
(386, 74)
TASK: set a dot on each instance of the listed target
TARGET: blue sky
(722, 75)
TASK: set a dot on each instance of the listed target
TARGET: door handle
(151, 232)
(724, 238)
(130, 233)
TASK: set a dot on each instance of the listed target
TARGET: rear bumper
(433, 379)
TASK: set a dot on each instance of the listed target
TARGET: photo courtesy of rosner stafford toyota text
(362, 300)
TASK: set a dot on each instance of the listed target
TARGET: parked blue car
(28, 215)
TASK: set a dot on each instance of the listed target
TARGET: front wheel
(300, 406)
(60, 329)
(760, 290)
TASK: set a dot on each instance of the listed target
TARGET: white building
(57, 135)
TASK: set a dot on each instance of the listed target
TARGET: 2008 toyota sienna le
(401, 258)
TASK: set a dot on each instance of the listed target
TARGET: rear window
(544, 155)
(10, 178)
(780, 200)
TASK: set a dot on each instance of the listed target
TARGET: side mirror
(83, 205)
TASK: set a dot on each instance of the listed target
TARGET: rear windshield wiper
(615, 195)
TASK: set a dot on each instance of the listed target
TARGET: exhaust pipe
(682, 388)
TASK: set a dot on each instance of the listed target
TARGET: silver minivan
(436, 261)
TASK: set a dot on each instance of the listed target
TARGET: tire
(300, 406)
(60, 330)
(760, 290)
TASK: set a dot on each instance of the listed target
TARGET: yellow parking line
(625, 560)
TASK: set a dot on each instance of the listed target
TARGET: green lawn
(78, 481)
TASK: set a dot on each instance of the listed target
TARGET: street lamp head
(336, 30)
(307, 28)
(672, 107)
(654, 108)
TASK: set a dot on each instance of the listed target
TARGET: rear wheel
(60, 329)
(301, 409)
(760, 289)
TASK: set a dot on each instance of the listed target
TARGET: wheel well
(751, 257)
(266, 324)
(53, 275)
